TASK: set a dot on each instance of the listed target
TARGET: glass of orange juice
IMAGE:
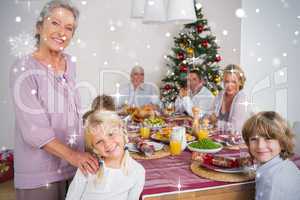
(175, 147)
(145, 132)
(202, 134)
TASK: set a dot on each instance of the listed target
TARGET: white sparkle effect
(284, 54)
(61, 48)
(49, 66)
(83, 3)
(240, 13)
(94, 54)
(276, 62)
(59, 171)
(224, 32)
(22, 44)
(168, 34)
(15, 70)
(257, 10)
(74, 59)
(151, 3)
(278, 25)
(258, 43)
(72, 139)
(105, 63)
(179, 184)
(298, 17)
(296, 33)
(33, 92)
(3, 148)
(23, 69)
(18, 19)
(112, 28)
(259, 59)
(281, 73)
(148, 46)
(117, 85)
(234, 50)
(119, 23)
(246, 104)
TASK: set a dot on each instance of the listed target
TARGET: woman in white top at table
(230, 106)
(196, 94)
(137, 92)
(119, 176)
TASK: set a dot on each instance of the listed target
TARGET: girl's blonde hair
(237, 70)
(269, 124)
(98, 118)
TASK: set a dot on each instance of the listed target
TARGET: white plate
(206, 150)
(157, 146)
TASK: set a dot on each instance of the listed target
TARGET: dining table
(171, 177)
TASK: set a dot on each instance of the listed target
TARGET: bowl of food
(205, 146)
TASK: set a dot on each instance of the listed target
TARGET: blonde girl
(119, 176)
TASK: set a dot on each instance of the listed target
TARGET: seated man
(138, 93)
(194, 95)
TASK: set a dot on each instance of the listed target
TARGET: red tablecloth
(165, 174)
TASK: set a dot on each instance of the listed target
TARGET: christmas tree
(195, 50)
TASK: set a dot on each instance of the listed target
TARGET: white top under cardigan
(114, 184)
(203, 99)
(238, 113)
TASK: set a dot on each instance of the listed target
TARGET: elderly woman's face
(57, 29)
(137, 78)
(231, 83)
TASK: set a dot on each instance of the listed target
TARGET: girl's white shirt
(114, 184)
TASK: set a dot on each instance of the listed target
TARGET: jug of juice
(178, 134)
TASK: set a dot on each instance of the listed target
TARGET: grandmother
(48, 127)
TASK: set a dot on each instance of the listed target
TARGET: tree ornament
(183, 76)
(218, 58)
(180, 56)
(215, 92)
(199, 28)
(183, 43)
(167, 87)
(217, 79)
(190, 52)
(204, 43)
(183, 68)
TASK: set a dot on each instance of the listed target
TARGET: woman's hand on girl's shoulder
(86, 162)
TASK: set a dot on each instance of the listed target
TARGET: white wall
(98, 44)
(271, 35)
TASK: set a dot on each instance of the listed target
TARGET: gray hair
(137, 68)
(47, 9)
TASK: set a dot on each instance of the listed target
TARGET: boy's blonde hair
(98, 118)
(269, 124)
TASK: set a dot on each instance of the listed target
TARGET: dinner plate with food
(146, 147)
(205, 146)
(164, 135)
